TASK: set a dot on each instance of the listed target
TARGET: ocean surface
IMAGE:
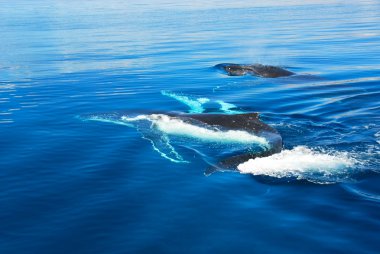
(76, 177)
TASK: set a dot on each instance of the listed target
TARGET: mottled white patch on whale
(175, 126)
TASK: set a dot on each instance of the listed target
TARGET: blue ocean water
(68, 185)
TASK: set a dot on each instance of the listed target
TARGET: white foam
(300, 162)
(177, 127)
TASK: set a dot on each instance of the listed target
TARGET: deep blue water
(74, 186)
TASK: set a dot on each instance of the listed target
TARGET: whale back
(266, 71)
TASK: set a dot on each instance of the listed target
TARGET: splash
(302, 163)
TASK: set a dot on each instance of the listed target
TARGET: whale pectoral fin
(228, 108)
(195, 104)
(161, 143)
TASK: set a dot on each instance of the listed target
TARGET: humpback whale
(224, 138)
(265, 71)
(238, 137)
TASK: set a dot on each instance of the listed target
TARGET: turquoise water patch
(200, 105)
(195, 104)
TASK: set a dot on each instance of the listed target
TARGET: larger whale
(224, 137)
(239, 136)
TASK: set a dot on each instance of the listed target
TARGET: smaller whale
(265, 71)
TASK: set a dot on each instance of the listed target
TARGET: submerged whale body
(239, 137)
(266, 71)
(247, 122)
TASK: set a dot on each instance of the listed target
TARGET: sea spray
(302, 162)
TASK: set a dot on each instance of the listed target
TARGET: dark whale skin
(265, 71)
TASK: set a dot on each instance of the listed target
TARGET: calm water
(74, 186)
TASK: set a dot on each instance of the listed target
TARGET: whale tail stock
(231, 163)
